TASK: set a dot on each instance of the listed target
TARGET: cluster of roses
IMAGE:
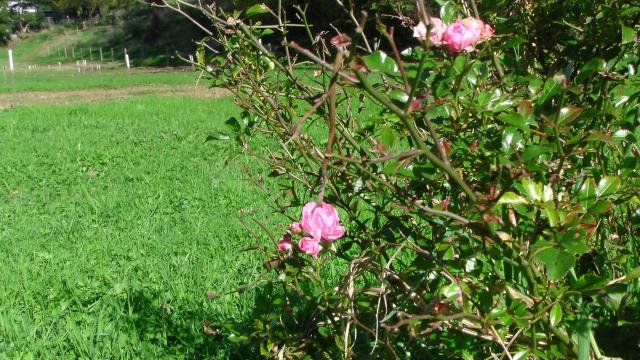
(320, 222)
(462, 35)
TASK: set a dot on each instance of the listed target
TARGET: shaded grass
(115, 220)
(48, 46)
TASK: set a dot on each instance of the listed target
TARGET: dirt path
(95, 95)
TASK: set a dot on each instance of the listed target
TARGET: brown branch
(320, 62)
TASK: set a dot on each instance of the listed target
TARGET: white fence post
(11, 68)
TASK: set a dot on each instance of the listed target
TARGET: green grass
(115, 220)
(54, 80)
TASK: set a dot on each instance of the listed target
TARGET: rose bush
(484, 212)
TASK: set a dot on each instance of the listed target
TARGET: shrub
(488, 183)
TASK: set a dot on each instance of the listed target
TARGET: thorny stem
(332, 124)
(416, 81)
(396, 53)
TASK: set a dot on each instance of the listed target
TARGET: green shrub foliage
(490, 196)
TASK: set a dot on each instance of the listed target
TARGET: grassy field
(70, 79)
(116, 219)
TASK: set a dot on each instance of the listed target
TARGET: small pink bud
(341, 41)
(310, 246)
(295, 228)
(284, 244)
(445, 203)
(418, 103)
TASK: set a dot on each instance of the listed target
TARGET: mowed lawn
(68, 78)
(116, 219)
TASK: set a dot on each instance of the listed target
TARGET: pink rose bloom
(310, 246)
(321, 221)
(437, 30)
(295, 228)
(284, 244)
(485, 31)
(435, 35)
(472, 23)
(420, 31)
(459, 37)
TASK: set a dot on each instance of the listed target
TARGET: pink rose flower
(310, 246)
(435, 35)
(472, 23)
(459, 37)
(295, 228)
(485, 31)
(284, 244)
(321, 221)
(420, 31)
(437, 30)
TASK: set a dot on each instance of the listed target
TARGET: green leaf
(387, 136)
(587, 190)
(501, 105)
(521, 355)
(449, 12)
(555, 315)
(624, 134)
(568, 114)
(200, 56)
(380, 61)
(238, 339)
(575, 241)
(557, 261)
(534, 151)
(592, 66)
(399, 95)
(628, 35)
(511, 198)
(553, 215)
(513, 42)
(607, 186)
(533, 191)
(459, 63)
(550, 89)
(515, 120)
(256, 9)
(601, 206)
(632, 275)
(512, 140)
(589, 281)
